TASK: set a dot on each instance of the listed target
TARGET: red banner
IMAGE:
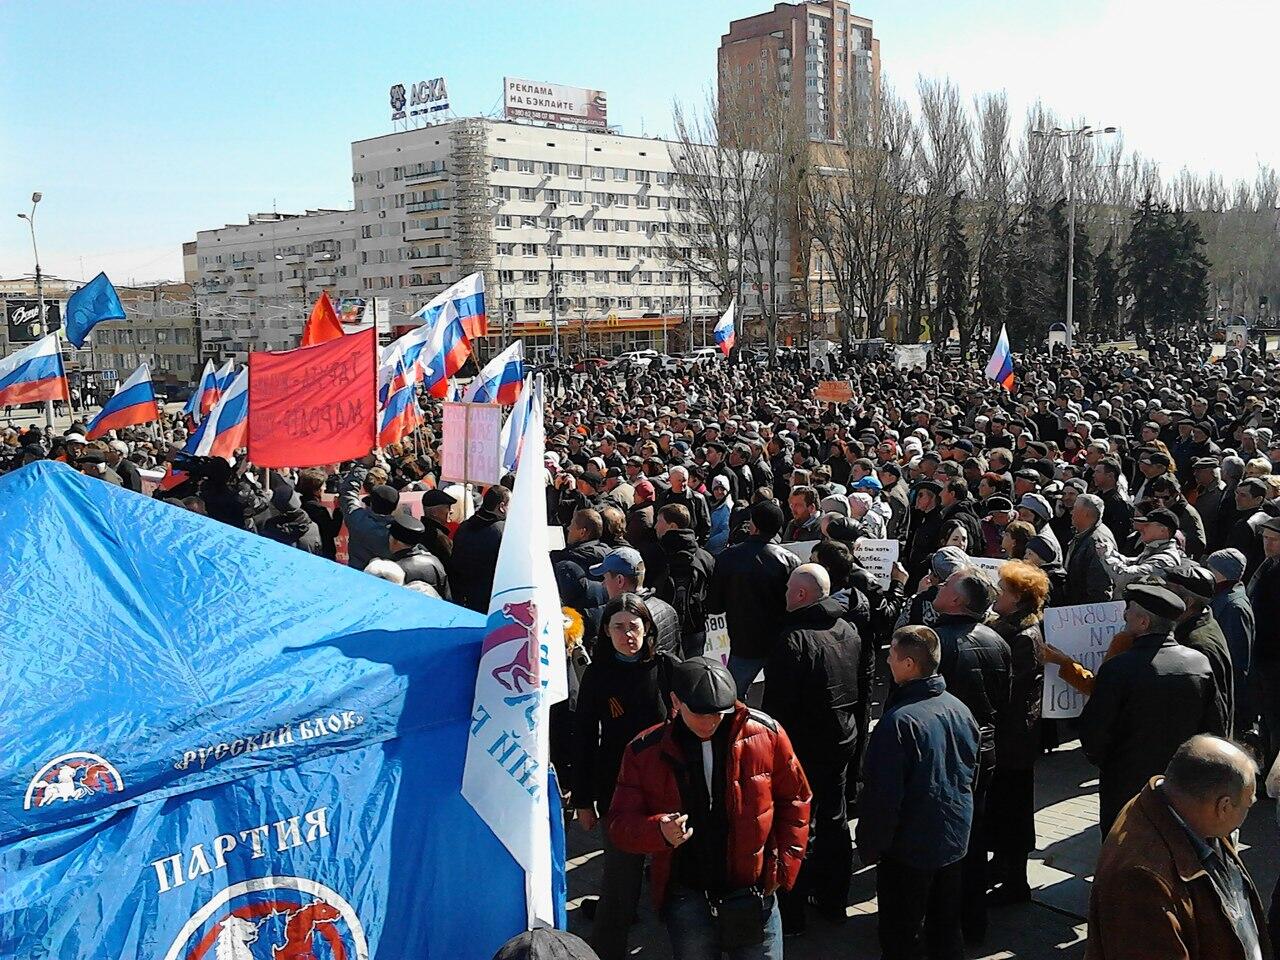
(314, 405)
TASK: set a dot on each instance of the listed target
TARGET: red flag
(314, 405)
(323, 325)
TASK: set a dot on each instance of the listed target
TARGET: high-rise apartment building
(820, 56)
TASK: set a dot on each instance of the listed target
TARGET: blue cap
(623, 560)
(867, 483)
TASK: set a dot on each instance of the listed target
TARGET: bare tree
(855, 198)
(991, 203)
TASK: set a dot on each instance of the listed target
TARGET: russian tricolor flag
(1000, 366)
(134, 402)
(34, 373)
(212, 384)
(399, 413)
(501, 378)
(226, 429)
(511, 440)
(724, 332)
(449, 322)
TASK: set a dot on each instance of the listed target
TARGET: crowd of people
(911, 702)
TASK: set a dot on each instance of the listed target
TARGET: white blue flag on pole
(521, 674)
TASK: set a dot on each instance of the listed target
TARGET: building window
(532, 305)
(621, 173)
(600, 226)
(502, 221)
(622, 225)
(504, 249)
(575, 196)
(506, 276)
(642, 202)
(551, 168)
(552, 196)
(531, 276)
(501, 163)
(642, 176)
(525, 166)
(597, 173)
(664, 203)
(599, 251)
(528, 193)
(575, 171)
(600, 276)
(624, 253)
(529, 223)
(621, 200)
(529, 249)
(623, 276)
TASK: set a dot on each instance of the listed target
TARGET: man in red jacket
(718, 798)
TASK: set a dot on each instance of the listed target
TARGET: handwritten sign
(877, 558)
(833, 391)
(1083, 633)
(990, 566)
(314, 405)
(908, 355)
(471, 437)
(717, 638)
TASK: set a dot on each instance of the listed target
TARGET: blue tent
(212, 745)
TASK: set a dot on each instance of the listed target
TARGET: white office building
(528, 205)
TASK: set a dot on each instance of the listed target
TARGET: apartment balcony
(423, 205)
(428, 175)
(215, 268)
(440, 260)
(295, 257)
(413, 234)
(245, 285)
(324, 280)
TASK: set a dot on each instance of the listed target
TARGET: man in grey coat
(1234, 613)
(367, 525)
(1087, 577)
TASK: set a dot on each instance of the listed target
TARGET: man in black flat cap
(404, 540)
(926, 527)
(1146, 701)
(436, 505)
(367, 519)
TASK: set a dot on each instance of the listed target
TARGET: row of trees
(944, 219)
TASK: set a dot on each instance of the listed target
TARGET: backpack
(687, 588)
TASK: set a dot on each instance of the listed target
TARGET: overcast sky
(143, 122)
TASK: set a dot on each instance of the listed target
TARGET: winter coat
(766, 800)
(1152, 898)
(1154, 557)
(1202, 633)
(720, 514)
(899, 510)
(1087, 578)
(750, 587)
(978, 666)
(1230, 606)
(685, 565)
(474, 558)
(1018, 726)
(1117, 514)
(616, 702)
(326, 523)
(1146, 702)
(1264, 596)
(916, 805)
(1192, 527)
(926, 528)
(695, 503)
(366, 531)
(819, 685)
(294, 528)
(420, 565)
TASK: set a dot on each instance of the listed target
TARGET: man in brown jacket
(1169, 883)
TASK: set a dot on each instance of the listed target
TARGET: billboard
(23, 319)
(419, 100)
(554, 103)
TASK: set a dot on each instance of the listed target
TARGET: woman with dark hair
(624, 691)
(954, 533)
(1019, 608)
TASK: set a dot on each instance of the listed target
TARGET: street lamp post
(553, 241)
(44, 319)
(1074, 155)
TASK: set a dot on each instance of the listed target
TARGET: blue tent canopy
(209, 739)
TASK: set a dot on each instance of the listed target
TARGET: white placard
(1083, 632)
(801, 548)
(988, 565)
(717, 638)
(908, 355)
(470, 453)
(877, 558)
(555, 537)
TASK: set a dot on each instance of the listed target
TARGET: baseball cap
(623, 560)
(704, 685)
(1161, 516)
(868, 482)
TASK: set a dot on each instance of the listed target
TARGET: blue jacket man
(916, 808)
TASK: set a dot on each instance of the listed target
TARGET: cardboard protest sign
(717, 638)
(877, 558)
(1083, 632)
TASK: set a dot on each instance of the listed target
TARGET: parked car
(587, 364)
(635, 358)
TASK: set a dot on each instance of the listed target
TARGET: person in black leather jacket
(978, 668)
(818, 682)
(749, 586)
(420, 565)
(475, 550)
(1146, 701)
